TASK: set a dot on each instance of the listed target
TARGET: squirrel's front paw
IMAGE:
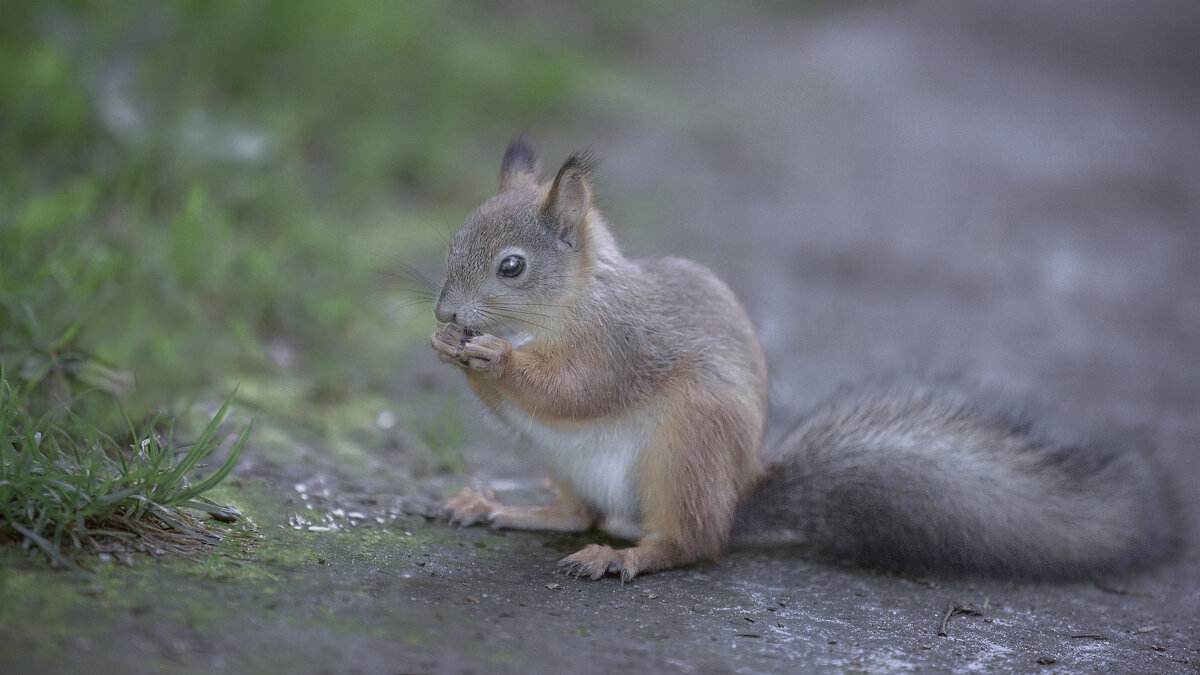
(486, 352)
(449, 341)
(480, 351)
(469, 507)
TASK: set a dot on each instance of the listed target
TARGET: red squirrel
(643, 384)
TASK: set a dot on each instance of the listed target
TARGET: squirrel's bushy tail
(921, 480)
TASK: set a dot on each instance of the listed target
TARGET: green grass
(67, 490)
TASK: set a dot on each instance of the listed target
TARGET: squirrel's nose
(443, 313)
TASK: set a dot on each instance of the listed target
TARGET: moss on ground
(266, 574)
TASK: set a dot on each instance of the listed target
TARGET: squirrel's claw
(449, 341)
(596, 560)
(469, 507)
(468, 348)
(484, 352)
(579, 568)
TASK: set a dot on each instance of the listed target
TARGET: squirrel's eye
(512, 266)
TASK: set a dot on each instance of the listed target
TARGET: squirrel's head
(512, 264)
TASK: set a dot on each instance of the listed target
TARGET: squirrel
(644, 385)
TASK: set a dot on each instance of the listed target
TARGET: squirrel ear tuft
(520, 165)
(570, 196)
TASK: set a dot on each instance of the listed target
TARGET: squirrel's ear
(519, 166)
(570, 197)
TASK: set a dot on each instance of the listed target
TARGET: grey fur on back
(920, 480)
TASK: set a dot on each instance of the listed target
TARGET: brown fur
(612, 336)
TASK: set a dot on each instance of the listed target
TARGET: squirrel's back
(920, 480)
(693, 313)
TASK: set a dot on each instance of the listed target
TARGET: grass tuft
(70, 491)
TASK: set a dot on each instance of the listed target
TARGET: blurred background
(205, 195)
(198, 193)
(199, 196)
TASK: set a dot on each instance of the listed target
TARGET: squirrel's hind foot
(596, 560)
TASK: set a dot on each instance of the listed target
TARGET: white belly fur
(597, 459)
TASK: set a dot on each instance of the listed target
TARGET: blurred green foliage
(203, 191)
